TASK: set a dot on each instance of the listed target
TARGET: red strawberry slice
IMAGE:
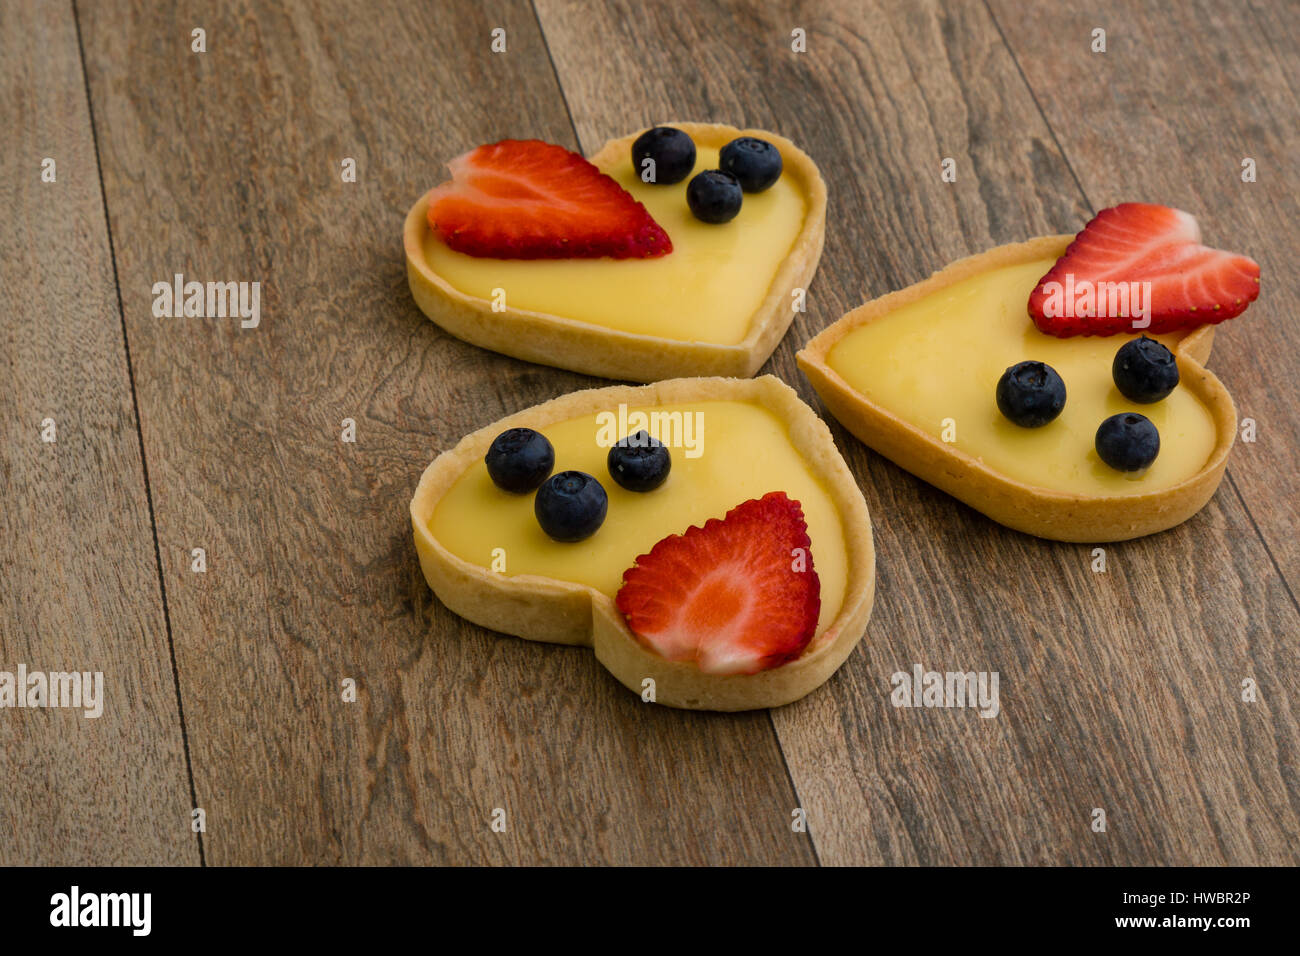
(525, 199)
(1190, 284)
(736, 596)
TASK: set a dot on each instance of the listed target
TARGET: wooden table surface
(1120, 690)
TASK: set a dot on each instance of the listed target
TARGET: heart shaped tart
(1022, 382)
(535, 252)
(702, 535)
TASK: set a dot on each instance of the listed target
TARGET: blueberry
(639, 462)
(570, 506)
(673, 153)
(755, 163)
(519, 460)
(714, 196)
(1144, 371)
(1128, 442)
(1031, 394)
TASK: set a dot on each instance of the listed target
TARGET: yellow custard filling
(706, 290)
(723, 453)
(936, 363)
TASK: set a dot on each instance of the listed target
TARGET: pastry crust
(1060, 516)
(596, 350)
(562, 612)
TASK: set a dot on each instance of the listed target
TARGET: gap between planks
(139, 432)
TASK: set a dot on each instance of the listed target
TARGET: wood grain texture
(226, 166)
(1120, 690)
(79, 589)
(1190, 92)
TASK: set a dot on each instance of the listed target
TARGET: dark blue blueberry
(1031, 394)
(639, 462)
(1145, 371)
(714, 196)
(673, 153)
(1128, 442)
(570, 506)
(755, 163)
(519, 460)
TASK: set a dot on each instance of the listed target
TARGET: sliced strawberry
(736, 596)
(525, 199)
(1191, 284)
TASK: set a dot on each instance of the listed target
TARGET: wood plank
(225, 166)
(1119, 689)
(1195, 90)
(80, 587)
